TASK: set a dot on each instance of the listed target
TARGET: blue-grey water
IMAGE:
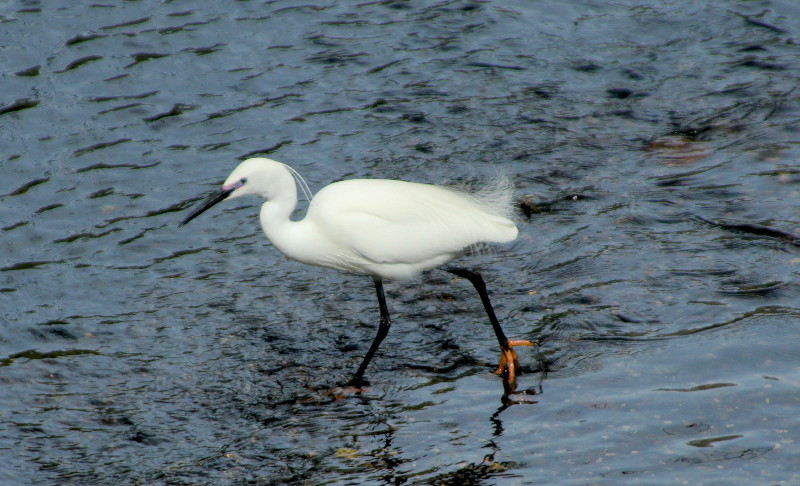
(654, 146)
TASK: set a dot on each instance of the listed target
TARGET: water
(644, 139)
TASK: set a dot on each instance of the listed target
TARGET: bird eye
(244, 180)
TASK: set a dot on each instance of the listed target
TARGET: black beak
(211, 200)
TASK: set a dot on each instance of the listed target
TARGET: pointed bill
(211, 200)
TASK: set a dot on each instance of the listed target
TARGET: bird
(382, 228)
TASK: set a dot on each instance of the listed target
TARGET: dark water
(655, 148)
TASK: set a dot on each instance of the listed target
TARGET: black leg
(508, 357)
(480, 286)
(383, 330)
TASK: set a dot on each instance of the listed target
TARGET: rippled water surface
(655, 151)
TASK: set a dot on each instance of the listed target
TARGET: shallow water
(654, 147)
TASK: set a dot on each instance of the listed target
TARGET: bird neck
(292, 238)
(276, 212)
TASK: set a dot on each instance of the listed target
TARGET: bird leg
(508, 357)
(358, 380)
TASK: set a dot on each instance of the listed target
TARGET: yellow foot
(344, 391)
(353, 387)
(508, 358)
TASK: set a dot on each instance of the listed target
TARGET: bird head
(260, 176)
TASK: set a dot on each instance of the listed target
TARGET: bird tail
(495, 198)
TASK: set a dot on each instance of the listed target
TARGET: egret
(386, 229)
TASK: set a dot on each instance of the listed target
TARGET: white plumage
(387, 229)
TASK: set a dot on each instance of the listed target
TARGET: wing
(387, 221)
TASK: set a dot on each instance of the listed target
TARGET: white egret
(386, 229)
